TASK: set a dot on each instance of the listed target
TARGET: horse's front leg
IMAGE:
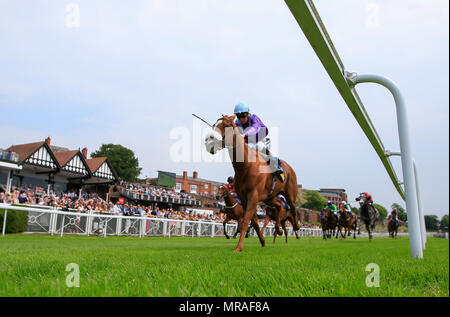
(250, 212)
(225, 227)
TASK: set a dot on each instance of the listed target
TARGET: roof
(64, 157)
(201, 180)
(25, 150)
(55, 148)
(95, 163)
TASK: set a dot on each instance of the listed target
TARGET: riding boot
(275, 166)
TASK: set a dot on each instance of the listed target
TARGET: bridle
(228, 194)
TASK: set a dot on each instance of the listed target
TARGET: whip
(201, 119)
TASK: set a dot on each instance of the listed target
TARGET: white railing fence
(58, 222)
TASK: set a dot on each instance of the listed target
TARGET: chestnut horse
(233, 211)
(348, 223)
(254, 180)
(278, 213)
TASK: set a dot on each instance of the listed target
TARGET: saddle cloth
(283, 201)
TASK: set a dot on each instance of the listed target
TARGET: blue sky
(132, 72)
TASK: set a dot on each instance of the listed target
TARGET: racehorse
(348, 223)
(278, 213)
(369, 215)
(329, 222)
(393, 225)
(254, 180)
(233, 211)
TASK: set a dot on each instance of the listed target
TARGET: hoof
(237, 250)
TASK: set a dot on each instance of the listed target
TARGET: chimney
(195, 174)
(84, 152)
(47, 140)
(184, 175)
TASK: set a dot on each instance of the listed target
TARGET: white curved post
(415, 238)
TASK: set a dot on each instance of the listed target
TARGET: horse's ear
(233, 117)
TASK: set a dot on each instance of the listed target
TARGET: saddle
(236, 197)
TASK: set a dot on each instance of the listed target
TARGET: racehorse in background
(393, 224)
(329, 223)
(368, 214)
(277, 211)
(254, 180)
(233, 211)
(347, 222)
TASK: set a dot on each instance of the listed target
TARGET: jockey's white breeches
(261, 146)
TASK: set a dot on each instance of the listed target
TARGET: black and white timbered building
(42, 165)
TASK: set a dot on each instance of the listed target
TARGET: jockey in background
(369, 200)
(393, 215)
(348, 209)
(367, 196)
(230, 185)
(255, 134)
(333, 209)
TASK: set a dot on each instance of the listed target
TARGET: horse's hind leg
(292, 210)
(283, 225)
(256, 227)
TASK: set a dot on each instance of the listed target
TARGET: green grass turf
(34, 265)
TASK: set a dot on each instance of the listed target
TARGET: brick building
(334, 195)
(193, 184)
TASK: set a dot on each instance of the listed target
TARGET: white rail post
(406, 156)
(419, 204)
(119, 225)
(213, 227)
(4, 221)
(183, 228)
(62, 224)
(105, 227)
(164, 228)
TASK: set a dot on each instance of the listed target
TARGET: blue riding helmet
(240, 108)
(330, 203)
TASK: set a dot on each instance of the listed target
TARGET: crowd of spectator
(143, 189)
(91, 202)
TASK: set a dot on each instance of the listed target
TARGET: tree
(402, 215)
(444, 223)
(383, 212)
(314, 200)
(356, 210)
(123, 160)
(431, 223)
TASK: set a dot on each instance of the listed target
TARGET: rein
(231, 207)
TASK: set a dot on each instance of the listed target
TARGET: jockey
(393, 215)
(348, 209)
(367, 196)
(255, 134)
(369, 200)
(230, 185)
(333, 209)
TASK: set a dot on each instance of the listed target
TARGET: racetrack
(34, 265)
